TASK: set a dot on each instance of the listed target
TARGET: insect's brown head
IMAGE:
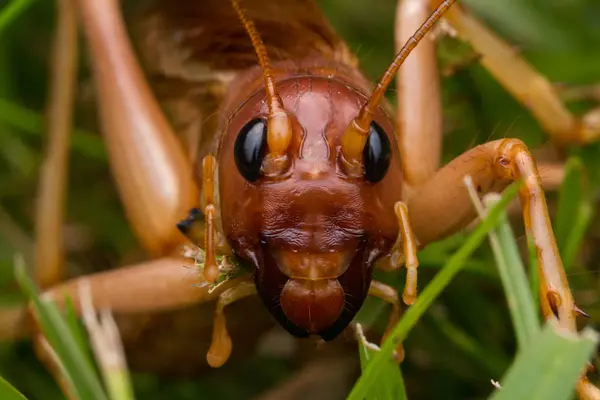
(312, 229)
(309, 174)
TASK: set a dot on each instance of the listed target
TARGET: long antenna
(279, 127)
(355, 136)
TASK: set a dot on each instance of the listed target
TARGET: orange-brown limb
(419, 107)
(49, 266)
(404, 253)
(410, 253)
(162, 284)
(211, 267)
(389, 295)
(220, 348)
(50, 207)
(492, 167)
(158, 285)
(519, 78)
(151, 169)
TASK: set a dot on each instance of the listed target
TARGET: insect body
(308, 203)
(306, 173)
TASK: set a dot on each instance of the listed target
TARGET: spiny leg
(152, 171)
(404, 252)
(50, 207)
(389, 295)
(492, 166)
(220, 348)
(526, 84)
(419, 109)
(161, 284)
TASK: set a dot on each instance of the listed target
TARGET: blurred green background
(465, 339)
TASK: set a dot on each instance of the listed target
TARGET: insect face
(312, 231)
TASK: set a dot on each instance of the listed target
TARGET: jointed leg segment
(410, 253)
(520, 79)
(419, 109)
(211, 267)
(404, 252)
(220, 348)
(151, 169)
(443, 198)
(389, 294)
(492, 167)
(49, 266)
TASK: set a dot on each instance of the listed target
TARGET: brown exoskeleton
(306, 174)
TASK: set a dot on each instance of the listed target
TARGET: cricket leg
(220, 348)
(162, 284)
(49, 265)
(50, 207)
(404, 252)
(492, 166)
(389, 295)
(152, 171)
(419, 109)
(522, 81)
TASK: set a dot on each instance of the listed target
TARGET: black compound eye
(376, 154)
(249, 149)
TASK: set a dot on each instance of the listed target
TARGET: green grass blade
(548, 369)
(11, 12)
(83, 380)
(8, 392)
(514, 280)
(430, 293)
(494, 361)
(79, 334)
(392, 383)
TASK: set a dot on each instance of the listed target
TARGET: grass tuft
(548, 369)
(392, 382)
(68, 345)
(512, 272)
